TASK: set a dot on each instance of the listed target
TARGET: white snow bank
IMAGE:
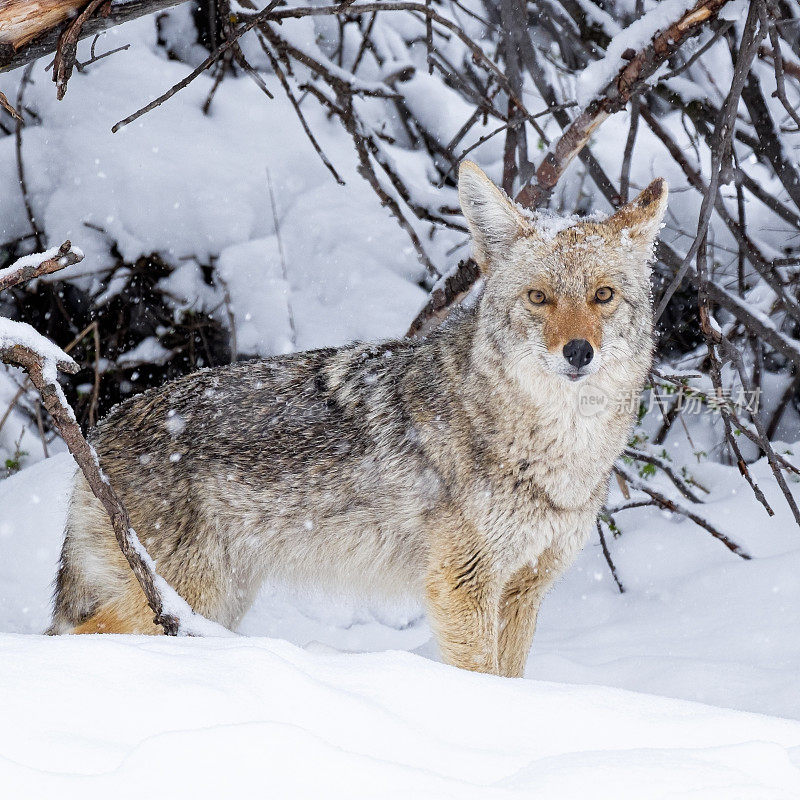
(148, 351)
(136, 717)
(124, 716)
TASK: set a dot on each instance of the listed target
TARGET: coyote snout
(578, 354)
(459, 468)
(573, 336)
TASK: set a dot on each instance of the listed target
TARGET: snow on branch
(38, 264)
(601, 73)
(638, 66)
(19, 342)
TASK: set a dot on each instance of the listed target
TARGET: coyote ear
(641, 218)
(493, 220)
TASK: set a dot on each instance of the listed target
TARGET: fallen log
(31, 29)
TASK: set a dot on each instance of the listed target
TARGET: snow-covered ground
(315, 699)
(130, 718)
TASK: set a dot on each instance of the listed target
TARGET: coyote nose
(578, 352)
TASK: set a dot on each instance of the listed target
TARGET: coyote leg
(463, 605)
(128, 614)
(519, 608)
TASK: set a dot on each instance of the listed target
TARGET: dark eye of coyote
(537, 297)
(604, 294)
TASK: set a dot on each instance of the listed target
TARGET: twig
(717, 35)
(199, 70)
(12, 405)
(226, 297)
(276, 68)
(67, 49)
(284, 271)
(92, 328)
(362, 48)
(40, 428)
(607, 556)
(670, 505)
(30, 267)
(627, 156)
(783, 404)
(663, 465)
(6, 106)
(37, 233)
(93, 58)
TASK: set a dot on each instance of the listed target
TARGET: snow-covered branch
(34, 266)
(630, 62)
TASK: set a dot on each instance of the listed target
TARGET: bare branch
(6, 106)
(670, 505)
(67, 49)
(228, 44)
(607, 556)
(23, 185)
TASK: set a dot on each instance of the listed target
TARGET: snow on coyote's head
(565, 297)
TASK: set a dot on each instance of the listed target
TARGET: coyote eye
(604, 294)
(536, 297)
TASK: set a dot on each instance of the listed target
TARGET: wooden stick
(43, 375)
(64, 420)
(67, 50)
(6, 106)
(607, 556)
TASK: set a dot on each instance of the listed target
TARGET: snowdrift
(99, 717)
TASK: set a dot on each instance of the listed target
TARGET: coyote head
(563, 297)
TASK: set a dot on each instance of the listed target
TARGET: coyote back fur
(458, 467)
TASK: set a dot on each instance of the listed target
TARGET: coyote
(459, 467)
